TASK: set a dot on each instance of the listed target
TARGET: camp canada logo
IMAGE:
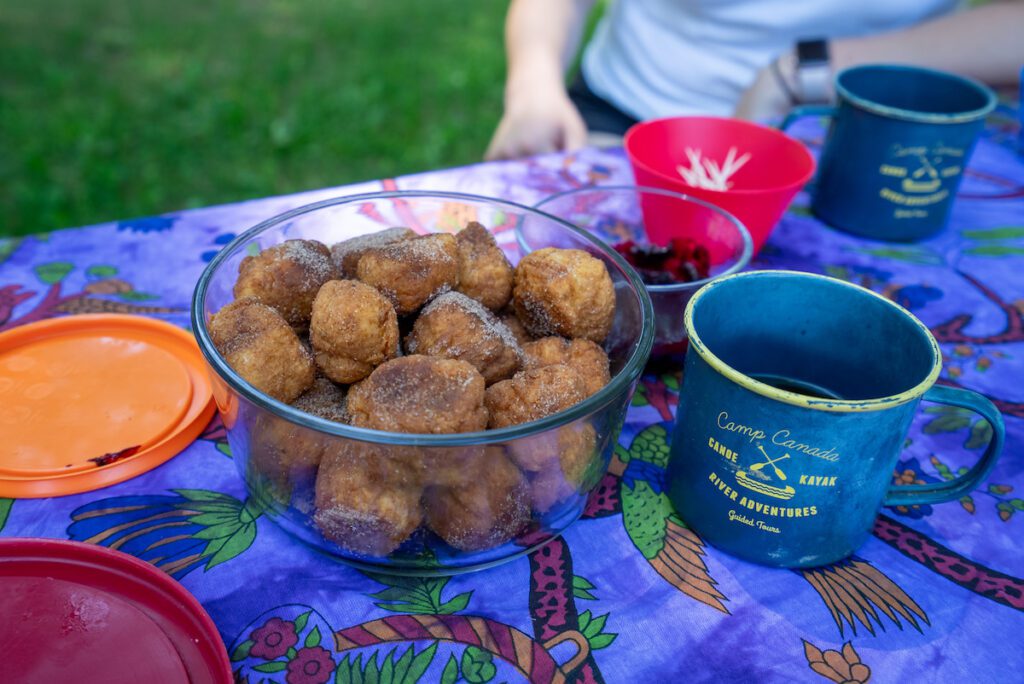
(763, 480)
(921, 172)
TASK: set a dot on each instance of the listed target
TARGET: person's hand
(537, 122)
(766, 98)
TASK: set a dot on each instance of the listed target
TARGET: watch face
(811, 51)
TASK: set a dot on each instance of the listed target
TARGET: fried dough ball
(512, 322)
(284, 457)
(347, 253)
(324, 399)
(454, 326)
(286, 277)
(485, 510)
(421, 395)
(367, 500)
(558, 464)
(534, 394)
(484, 272)
(261, 347)
(410, 272)
(353, 330)
(564, 292)
(587, 358)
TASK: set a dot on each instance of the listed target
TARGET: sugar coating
(485, 510)
(565, 292)
(534, 394)
(485, 273)
(261, 347)
(586, 357)
(286, 277)
(455, 326)
(324, 399)
(411, 272)
(310, 255)
(353, 329)
(519, 331)
(493, 326)
(366, 501)
(346, 254)
(421, 395)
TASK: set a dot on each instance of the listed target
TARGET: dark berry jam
(682, 261)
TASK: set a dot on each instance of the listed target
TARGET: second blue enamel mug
(897, 146)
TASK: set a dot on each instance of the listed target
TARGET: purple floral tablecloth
(628, 594)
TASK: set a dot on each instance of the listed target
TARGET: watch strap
(813, 72)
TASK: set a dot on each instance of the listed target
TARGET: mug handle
(805, 111)
(938, 492)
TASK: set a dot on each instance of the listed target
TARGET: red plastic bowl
(778, 168)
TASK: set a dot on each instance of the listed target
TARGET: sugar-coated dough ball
(485, 510)
(586, 357)
(559, 464)
(534, 394)
(261, 347)
(283, 459)
(484, 272)
(324, 399)
(367, 501)
(512, 322)
(286, 277)
(353, 330)
(421, 395)
(411, 272)
(347, 253)
(454, 326)
(564, 292)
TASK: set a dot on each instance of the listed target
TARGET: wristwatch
(813, 72)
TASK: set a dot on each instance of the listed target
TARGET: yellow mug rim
(802, 400)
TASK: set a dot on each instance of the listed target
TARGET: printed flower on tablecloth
(312, 665)
(908, 472)
(147, 224)
(273, 639)
(293, 646)
(842, 667)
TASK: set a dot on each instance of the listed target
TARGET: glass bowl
(277, 447)
(617, 213)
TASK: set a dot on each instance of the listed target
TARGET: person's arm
(986, 43)
(541, 37)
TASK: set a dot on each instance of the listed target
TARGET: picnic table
(628, 593)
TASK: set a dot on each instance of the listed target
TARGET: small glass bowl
(619, 213)
(579, 439)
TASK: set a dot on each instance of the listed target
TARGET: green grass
(111, 109)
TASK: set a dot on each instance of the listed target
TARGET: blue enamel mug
(797, 396)
(896, 149)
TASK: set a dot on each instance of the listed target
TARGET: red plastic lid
(94, 400)
(84, 613)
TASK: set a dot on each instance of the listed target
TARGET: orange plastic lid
(89, 401)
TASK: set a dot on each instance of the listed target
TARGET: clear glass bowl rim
(627, 375)
(740, 263)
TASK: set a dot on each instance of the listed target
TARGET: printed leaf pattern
(5, 511)
(196, 527)
(673, 550)
(393, 668)
(593, 629)
(53, 272)
(581, 588)
(417, 595)
(855, 592)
